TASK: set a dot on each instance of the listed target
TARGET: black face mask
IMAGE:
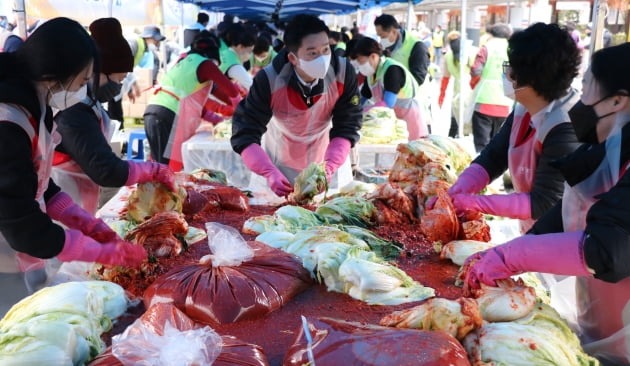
(584, 120)
(108, 91)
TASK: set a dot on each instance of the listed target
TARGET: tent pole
(110, 5)
(410, 13)
(463, 60)
(600, 8)
(20, 12)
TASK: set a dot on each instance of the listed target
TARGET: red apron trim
(60, 158)
(158, 89)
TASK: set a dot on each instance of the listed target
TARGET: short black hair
(203, 18)
(545, 57)
(262, 45)
(207, 45)
(299, 27)
(335, 36)
(364, 47)
(238, 33)
(386, 21)
(609, 67)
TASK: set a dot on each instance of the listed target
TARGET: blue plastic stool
(140, 135)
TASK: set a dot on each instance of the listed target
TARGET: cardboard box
(133, 110)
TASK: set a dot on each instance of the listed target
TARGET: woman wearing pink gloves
(302, 108)
(84, 160)
(543, 60)
(51, 69)
(389, 84)
(587, 234)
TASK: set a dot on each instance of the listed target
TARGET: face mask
(508, 88)
(244, 56)
(260, 59)
(366, 69)
(108, 91)
(316, 68)
(584, 120)
(65, 99)
(385, 42)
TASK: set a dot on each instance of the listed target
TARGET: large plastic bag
(232, 351)
(327, 341)
(219, 290)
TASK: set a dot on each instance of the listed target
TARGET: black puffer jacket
(23, 224)
(607, 245)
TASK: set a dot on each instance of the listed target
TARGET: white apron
(295, 137)
(22, 273)
(603, 308)
(70, 177)
(525, 149)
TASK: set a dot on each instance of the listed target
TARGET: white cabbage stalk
(458, 250)
(329, 258)
(456, 317)
(32, 351)
(357, 188)
(510, 300)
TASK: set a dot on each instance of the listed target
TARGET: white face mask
(65, 99)
(366, 69)
(260, 59)
(508, 88)
(316, 68)
(385, 42)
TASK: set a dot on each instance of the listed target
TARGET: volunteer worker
(302, 108)
(543, 60)
(48, 70)
(587, 233)
(84, 160)
(177, 105)
(389, 84)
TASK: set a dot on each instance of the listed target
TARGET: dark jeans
(453, 130)
(158, 122)
(484, 127)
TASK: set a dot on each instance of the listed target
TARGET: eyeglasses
(506, 67)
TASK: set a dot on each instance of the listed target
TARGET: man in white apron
(302, 108)
(594, 216)
(537, 131)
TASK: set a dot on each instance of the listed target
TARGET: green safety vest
(402, 53)
(181, 80)
(270, 55)
(140, 52)
(341, 45)
(408, 91)
(229, 58)
(491, 83)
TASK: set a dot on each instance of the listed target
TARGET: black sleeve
(419, 62)
(548, 181)
(347, 115)
(549, 222)
(394, 79)
(26, 228)
(365, 91)
(250, 118)
(494, 157)
(607, 242)
(83, 140)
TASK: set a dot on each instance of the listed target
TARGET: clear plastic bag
(227, 245)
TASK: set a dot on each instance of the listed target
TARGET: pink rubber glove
(336, 154)
(150, 171)
(557, 253)
(62, 208)
(514, 205)
(377, 104)
(472, 180)
(257, 160)
(212, 117)
(78, 247)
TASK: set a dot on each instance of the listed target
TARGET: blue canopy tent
(269, 10)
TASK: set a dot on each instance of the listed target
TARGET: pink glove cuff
(135, 171)
(514, 205)
(57, 204)
(257, 160)
(472, 180)
(79, 247)
(336, 154)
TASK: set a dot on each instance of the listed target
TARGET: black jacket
(23, 224)
(548, 182)
(607, 244)
(84, 142)
(250, 119)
